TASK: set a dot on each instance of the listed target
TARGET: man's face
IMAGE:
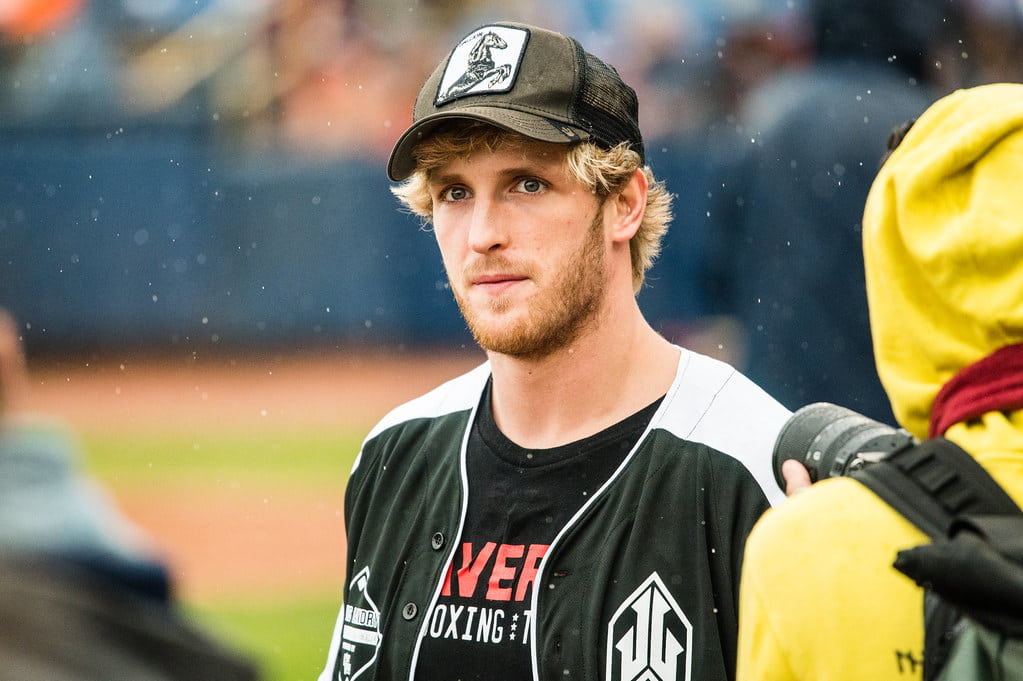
(524, 247)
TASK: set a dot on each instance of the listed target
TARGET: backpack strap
(940, 488)
(933, 483)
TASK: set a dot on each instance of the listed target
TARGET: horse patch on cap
(486, 61)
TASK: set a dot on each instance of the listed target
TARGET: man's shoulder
(714, 403)
(461, 393)
(449, 403)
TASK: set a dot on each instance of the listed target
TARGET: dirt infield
(345, 388)
(227, 540)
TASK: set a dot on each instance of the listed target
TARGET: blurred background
(190, 174)
(199, 174)
(192, 192)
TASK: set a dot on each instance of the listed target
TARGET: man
(943, 255)
(577, 506)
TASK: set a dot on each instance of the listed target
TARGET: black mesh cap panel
(608, 107)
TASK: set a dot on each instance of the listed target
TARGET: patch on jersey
(649, 638)
(360, 633)
(486, 61)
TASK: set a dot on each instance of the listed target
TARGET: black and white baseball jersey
(638, 580)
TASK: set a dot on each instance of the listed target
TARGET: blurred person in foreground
(943, 248)
(84, 596)
(588, 489)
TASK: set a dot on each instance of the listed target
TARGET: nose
(487, 228)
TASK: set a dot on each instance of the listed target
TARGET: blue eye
(531, 185)
(454, 194)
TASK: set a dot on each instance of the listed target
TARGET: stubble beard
(556, 317)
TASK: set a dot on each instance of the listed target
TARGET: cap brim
(402, 164)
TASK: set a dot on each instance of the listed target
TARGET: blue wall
(152, 235)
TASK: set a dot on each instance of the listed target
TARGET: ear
(624, 210)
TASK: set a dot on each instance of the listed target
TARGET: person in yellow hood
(943, 254)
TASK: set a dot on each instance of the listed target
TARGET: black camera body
(831, 441)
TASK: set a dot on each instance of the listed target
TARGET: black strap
(935, 482)
(939, 487)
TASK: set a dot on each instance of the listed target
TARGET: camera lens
(831, 441)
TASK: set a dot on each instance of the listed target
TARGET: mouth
(498, 283)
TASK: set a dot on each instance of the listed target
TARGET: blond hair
(604, 171)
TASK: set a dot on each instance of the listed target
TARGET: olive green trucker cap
(528, 80)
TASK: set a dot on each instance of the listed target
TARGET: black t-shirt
(519, 499)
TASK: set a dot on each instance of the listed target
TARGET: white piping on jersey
(463, 472)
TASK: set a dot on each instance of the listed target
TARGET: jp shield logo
(649, 638)
(360, 635)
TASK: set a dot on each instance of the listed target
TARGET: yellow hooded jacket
(943, 252)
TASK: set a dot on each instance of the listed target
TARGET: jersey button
(437, 541)
(409, 611)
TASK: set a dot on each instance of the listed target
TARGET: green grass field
(285, 632)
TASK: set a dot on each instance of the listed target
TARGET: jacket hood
(943, 246)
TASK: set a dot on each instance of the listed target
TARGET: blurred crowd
(766, 117)
(336, 77)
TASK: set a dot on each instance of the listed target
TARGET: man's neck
(604, 376)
